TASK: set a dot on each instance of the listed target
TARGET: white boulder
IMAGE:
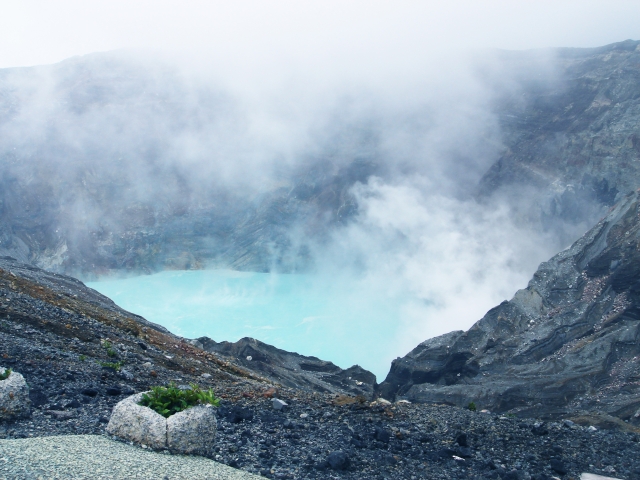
(193, 430)
(14, 397)
(138, 424)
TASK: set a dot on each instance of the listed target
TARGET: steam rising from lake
(112, 146)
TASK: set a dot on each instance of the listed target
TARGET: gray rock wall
(569, 342)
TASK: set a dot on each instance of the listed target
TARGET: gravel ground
(317, 437)
(98, 457)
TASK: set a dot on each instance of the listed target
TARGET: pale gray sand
(98, 457)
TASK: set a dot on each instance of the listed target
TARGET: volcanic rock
(571, 138)
(567, 343)
(138, 424)
(14, 397)
(292, 369)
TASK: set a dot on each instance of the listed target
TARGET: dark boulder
(338, 460)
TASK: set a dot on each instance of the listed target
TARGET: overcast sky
(343, 36)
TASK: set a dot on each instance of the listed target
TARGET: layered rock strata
(571, 134)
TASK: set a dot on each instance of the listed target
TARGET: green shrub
(5, 375)
(169, 400)
(82, 358)
(107, 346)
(115, 365)
(472, 407)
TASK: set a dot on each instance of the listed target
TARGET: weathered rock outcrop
(568, 343)
(14, 397)
(292, 369)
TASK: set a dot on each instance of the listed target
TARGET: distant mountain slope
(572, 144)
(111, 163)
(568, 343)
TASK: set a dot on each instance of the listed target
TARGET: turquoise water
(333, 319)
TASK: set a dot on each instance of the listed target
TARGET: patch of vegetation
(115, 365)
(108, 347)
(82, 358)
(169, 400)
(472, 407)
(5, 374)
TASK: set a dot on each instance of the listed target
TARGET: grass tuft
(115, 365)
(169, 400)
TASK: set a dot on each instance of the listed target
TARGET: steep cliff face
(572, 141)
(569, 342)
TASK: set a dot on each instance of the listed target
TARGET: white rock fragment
(14, 397)
(592, 429)
(206, 375)
(593, 476)
(279, 404)
(304, 415)
(382, 401)
(249, 357)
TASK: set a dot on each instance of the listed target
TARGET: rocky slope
(35, 303)
(292, 369)
(566, 345)
(81, 354)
